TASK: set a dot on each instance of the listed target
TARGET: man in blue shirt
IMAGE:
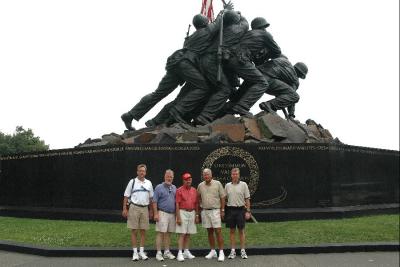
(164, 214)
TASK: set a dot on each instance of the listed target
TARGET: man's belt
(188, 210)
(211, 209)
(142, 206)
(236, 207)
(166, 211)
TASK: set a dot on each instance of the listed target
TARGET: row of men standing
(251, 55)
(179, 210)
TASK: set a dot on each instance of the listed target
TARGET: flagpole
(219, 53)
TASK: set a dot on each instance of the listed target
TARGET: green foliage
(21, 141)
(58, 233)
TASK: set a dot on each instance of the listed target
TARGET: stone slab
(235, 132)
(144, 138)
(252, 128)
(273, 126)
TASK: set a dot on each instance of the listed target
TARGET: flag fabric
(207, 9)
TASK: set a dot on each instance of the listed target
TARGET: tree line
(21, 141)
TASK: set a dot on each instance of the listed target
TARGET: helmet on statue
(259, 23)
(200, 21)
(301, 69)
(231, 17)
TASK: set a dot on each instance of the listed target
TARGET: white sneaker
(143, 256)
(169, 255)
(159, 256)
(212, 254)
(180, 257)
(232, 255)
(221, 256)
(135, 256)
(188, 255)
(243, 254)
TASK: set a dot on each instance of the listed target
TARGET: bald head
(207, 175)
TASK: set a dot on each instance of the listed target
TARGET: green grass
(56, 233)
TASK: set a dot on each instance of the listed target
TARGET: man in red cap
(187, 216)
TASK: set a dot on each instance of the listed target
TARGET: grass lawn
(57, 233)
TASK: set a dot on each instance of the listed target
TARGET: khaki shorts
(166, 222)
(211, 218)
(138, 217)
(188, 225)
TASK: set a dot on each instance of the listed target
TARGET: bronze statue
(209, 66)
(181, 67)
(235, 26)
(283, 80)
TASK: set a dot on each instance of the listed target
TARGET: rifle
(187, 34)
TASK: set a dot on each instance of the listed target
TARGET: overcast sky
(69, 69)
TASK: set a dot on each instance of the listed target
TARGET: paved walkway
(363, 259)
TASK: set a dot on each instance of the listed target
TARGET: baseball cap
(186, 176)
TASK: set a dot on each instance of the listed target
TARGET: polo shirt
(237, 193)
(186, 198)
(211, 194)
(141, 193)
(164, 196)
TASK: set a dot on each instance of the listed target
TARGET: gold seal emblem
(222, 160)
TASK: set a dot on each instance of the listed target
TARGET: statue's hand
(229, 6)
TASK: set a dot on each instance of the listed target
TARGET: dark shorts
(235, 217)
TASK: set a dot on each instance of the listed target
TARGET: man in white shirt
(137, 198)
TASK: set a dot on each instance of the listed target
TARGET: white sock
(233, 249)
(166, 251)
(134, 250)
(159, 252)
(242, 250)
(186, 250)
(221, 251)
(141, 249)
(180, 251)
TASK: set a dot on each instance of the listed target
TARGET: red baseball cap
(186, 176)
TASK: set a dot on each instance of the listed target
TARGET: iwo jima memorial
(294, 170)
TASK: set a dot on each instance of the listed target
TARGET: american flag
(207, 9)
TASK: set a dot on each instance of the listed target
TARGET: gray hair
(170, 171)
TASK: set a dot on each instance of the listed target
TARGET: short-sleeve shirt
(164, 196)
(211, 194)
(141, 193)
(186, 198)
(237, 194)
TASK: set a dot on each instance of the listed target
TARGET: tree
(21, 141)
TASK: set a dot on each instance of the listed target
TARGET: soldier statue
(209, 66)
